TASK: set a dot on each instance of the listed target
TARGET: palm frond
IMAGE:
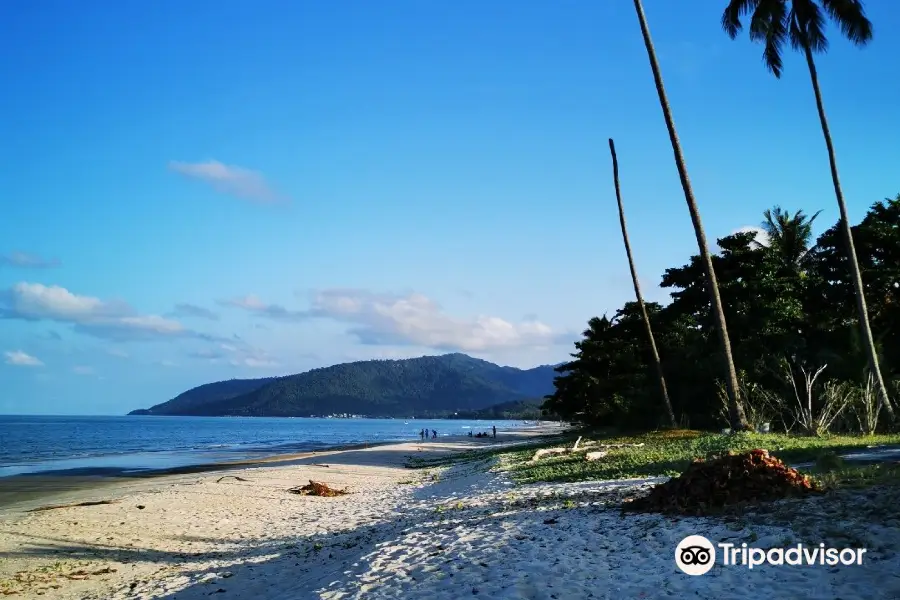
(731, 18)
(851, 18)
(768, 25)
(813, 218)
(802, 22)
(776, 37)
(807, 26)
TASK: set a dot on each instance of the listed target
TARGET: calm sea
(83, 445)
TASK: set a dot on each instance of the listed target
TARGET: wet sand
(142, 535)
(24, 492)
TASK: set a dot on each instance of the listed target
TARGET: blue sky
(194, 191)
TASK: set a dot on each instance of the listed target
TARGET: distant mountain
(428, 386)
(195, 399)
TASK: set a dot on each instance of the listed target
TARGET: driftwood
(592, 456)
(588, 445)
(55, 506)
(231, 477)
(619, 445)
(548, 452)
(317, 489)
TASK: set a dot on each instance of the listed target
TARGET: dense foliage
(203, 395)
(790, 309)
(429, 386)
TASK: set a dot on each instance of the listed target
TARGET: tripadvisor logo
(696, 555)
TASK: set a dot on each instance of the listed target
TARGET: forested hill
(429, 386)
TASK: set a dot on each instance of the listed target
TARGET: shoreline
(159, 459)
(29, 488)
(145, 529)
(443, 532)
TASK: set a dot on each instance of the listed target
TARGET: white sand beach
(441, 533)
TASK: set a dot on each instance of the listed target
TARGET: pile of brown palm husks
(730, 479)
(314, 488)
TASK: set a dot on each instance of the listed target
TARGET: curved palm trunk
(856, 276)
(735, 410)
(637, 292)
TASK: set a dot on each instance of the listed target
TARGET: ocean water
(94, 445)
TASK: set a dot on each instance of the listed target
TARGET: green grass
(670, 452)
(859, 476)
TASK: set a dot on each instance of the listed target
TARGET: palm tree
(789, 236)
(637, 291)
(735, 410)
(802, 22)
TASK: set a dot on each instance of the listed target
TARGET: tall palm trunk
(856, 276)
(735, 410)
(637, 291)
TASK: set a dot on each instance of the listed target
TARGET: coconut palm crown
(800, 22)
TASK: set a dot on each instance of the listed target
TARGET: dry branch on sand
(612, 446)
(314, 488)
(731, 479)
(235, 477)
(55, 506)
(587, 447)
(548, 452)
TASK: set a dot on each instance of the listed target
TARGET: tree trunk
(637, 292)
(855, 275)
(735, 410)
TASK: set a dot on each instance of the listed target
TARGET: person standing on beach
(434, 434)
(422, 434)
(495, 432)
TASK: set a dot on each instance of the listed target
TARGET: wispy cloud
(228, 179)
(192, 311)
(21, 359)
(237, 354)
(83, 370)
(409, 320)
(114, 320)
(24, 260)
(415, 319)
(256, 306)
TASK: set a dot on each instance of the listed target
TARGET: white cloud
(118, 352)
(410, 320)
(24, 260)
(227, 179)
(21, 359)
(105, 319)
(762, 238)
(414, 319)
(166, 363)
(83, 370)
(37, 301)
